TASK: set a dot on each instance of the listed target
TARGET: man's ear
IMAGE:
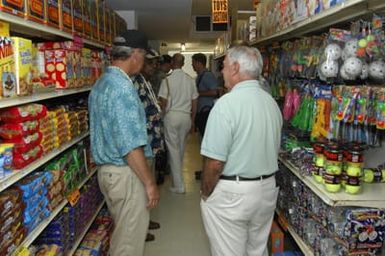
(235, 68)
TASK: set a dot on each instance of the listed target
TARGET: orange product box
(64, 66)
(277, 239)
(66, 17)
(101, 20)
(86, 18)
(107, 17)
(7, 68)
(4, 29)
(23, 65)
(16, 7)
(78, 17)
(93, 19)
(53, 17)
(36, 10)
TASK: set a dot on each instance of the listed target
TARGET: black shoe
(153, 225)
(198, 175)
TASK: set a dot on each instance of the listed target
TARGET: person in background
(162, 70)
(119, 146)
(178, 96)
(240, 147)
(207, 86)
(153, 115)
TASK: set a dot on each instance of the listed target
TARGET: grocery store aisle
(181, 231)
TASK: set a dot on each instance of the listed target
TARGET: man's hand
(212, 169)
(152, 195)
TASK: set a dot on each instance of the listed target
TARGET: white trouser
(176, 128)
(237, 217)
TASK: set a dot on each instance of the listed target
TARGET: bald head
(177, 60)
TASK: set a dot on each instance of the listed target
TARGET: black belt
(235, 177)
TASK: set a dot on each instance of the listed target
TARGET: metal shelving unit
(346, 11)
(31, 28)
(83, 234)
(372, 195)
(16, 175)
(10, 102)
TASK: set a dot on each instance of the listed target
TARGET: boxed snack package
(53, 13)
(78, 17)
(107, 17)
(7, 68)
(64, 68)
(23, 65)
(4, 28)
(101, 20)
(66, 15)
(93, 19)
(86, 18)
(35, 10)
(16, 7)
(40, 80)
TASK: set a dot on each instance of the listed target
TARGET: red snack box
(78, 17)
(66, 18)
(16, 7)
(64, 68)
(36, 10)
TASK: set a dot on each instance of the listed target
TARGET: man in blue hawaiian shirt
(120, 146)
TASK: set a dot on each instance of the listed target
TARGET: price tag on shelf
(73, 198)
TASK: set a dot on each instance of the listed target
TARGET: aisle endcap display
(345, 11)
(301, 244)
(9, 102)
(16, 175)
(372, 195)
(79, 240)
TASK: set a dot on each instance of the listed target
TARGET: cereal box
(16, 7)
(7, 68)
(107, 18)
(53, 19)
(4, 29)
(36, 10)
(78, 17)
(66, 18)
(94, 20)
(101, 20)
(86, 18)
(23, 65)
(64, 67)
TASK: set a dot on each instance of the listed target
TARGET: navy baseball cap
(133, 39)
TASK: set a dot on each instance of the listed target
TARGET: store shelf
(82, 235)
(37, 231)
(16, 175)
(306, 250)
(27, 27)
(372, 195)
(346, 11)
(10, 102)
(93, 171)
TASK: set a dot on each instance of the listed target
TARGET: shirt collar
(118, 71)
(247, 84)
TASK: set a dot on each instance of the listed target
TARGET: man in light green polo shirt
(240, 147)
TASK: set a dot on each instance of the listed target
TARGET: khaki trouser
(126, 200)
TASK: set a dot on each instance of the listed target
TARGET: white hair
(121, 52)
(249, 59)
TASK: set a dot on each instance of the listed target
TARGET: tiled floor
(181, 232)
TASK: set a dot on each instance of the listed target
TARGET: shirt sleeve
(128, 122)
(218, 136)
(163, 90)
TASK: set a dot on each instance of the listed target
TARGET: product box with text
(101, 20)
(16, 7)
(64, 67)
(53, 17)
(107, 18)
(66, 17)
(86, 18)
(7, 68)
(78, 21)
(23, 65)
(94, 19)
(36, 10)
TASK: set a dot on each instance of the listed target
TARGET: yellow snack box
(4, 28)
(23, 65)
(7, 68)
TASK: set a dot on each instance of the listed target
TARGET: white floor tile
(181, 232)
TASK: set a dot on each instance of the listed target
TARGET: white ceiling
(171, 21)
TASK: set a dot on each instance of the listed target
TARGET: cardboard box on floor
(277, 239)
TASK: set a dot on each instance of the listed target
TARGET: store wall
(188, 62)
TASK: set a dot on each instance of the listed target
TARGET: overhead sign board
(220, 11)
